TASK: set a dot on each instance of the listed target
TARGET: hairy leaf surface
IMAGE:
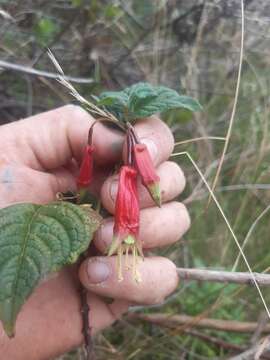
(36, 240)
(142, 100)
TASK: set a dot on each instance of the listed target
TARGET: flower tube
(147, 171)
(86, 169)
(126, 226)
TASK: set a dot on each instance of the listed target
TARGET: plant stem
(129, 148)
(133, 133)
(85, 310)
(90, 133)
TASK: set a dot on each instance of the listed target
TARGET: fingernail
(114, 189)
(97, 271)
(152, 147)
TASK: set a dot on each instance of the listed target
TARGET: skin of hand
(39, 157)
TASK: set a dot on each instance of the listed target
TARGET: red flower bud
(86, 170)
(147, 171)
(127, 211)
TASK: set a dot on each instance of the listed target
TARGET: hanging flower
(147, 171)
(126, 226)
(86, 169)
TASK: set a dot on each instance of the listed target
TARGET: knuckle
(76, 111)
(72, 108)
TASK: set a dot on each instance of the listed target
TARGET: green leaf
(146, 100)
(116, 102)
(141, 95)
(113, 98)
(36, 240)
(142, 100)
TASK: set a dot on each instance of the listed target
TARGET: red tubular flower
(86, 170)
(147, 171)
(127, 211)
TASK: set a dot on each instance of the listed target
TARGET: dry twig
(215, 341)
(29, 70)
(223, 276)
(189, 322)
(253, 352)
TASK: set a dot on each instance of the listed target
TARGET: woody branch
(223, 276)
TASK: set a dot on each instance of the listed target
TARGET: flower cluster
(139, 165)
(127, 214)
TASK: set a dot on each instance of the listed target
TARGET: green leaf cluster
(142, 99)
(36, 240)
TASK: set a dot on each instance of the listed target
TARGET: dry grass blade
(6, 15)
(92, 108)
(249, 234)
(228, 135)
(199, 139)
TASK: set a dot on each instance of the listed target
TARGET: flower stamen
(119, 263)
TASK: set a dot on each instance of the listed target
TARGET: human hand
(38, 158)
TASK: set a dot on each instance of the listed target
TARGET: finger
(23, 184)
(110, 312)
(49, 140)
(158, 279)
(157, 136)
(158, 227)
(172, 183)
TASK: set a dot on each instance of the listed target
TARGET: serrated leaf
(160, 99)
(36, 240)
(140, 96)
(142, 100)
(116, 102)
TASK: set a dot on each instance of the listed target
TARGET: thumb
(49, 140)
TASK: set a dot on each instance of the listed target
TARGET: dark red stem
(133, 133)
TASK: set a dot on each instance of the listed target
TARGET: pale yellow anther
(130, 262)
